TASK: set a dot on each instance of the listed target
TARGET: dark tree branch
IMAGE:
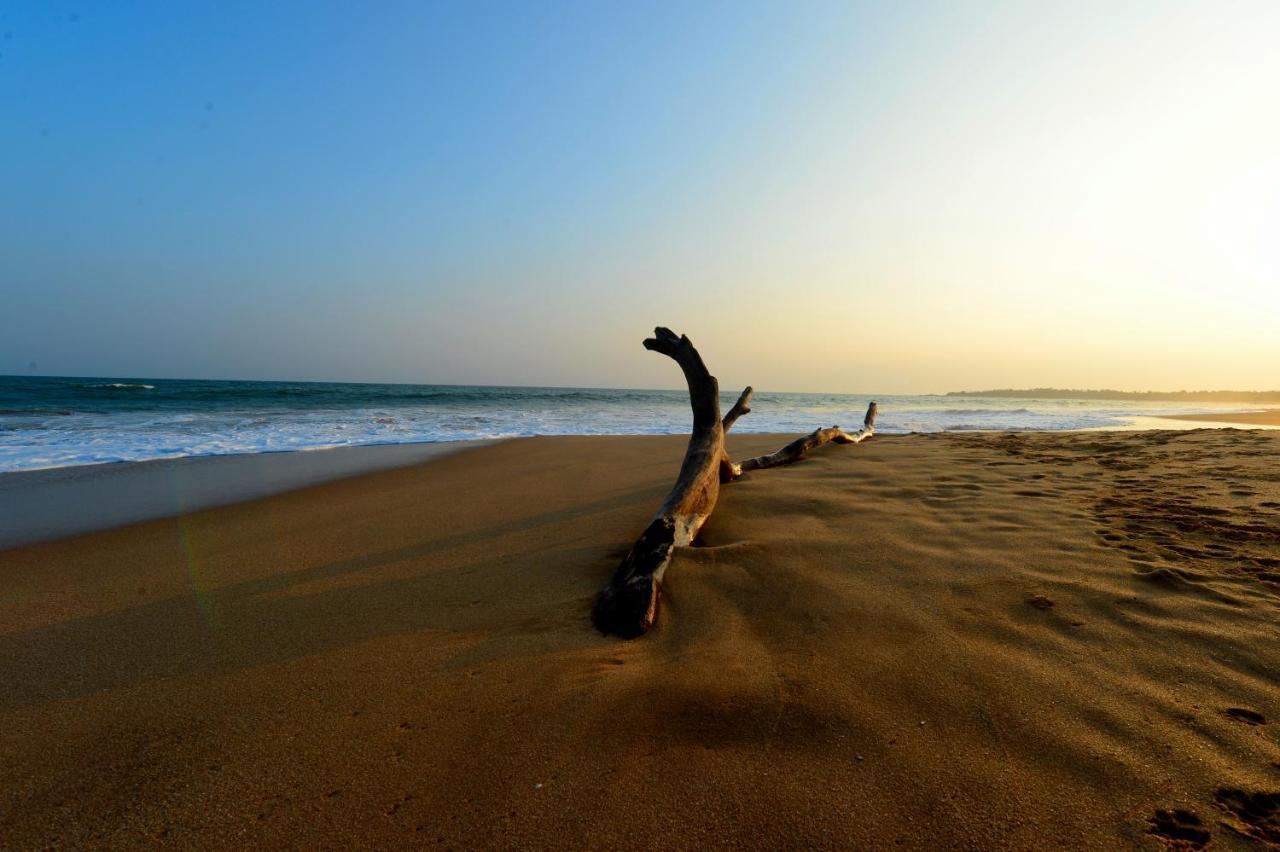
(739, 408)
(796, 450)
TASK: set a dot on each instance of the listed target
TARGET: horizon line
(993, 392)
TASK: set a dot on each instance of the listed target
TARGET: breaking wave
(55, 422)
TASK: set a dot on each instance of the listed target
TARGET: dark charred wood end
(628, 606)
(628, 610)
(666, 341)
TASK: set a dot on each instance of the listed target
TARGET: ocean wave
(975, 427)
(521, 395)
(135, 419)
(354, 396)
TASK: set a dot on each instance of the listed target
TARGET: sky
(891, 197)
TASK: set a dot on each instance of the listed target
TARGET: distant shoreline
(1263, 397)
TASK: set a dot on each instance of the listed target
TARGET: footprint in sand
(1040, 602)
(1249, 717)
(1170, 578)
(1257, 815)
(395, 807)
(1178, 829)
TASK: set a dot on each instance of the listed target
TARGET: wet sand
(1270, 417)
(41, 505)
(933, 641)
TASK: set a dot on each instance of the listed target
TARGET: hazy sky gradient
(897, 197)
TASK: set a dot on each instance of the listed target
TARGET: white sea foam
(53, 437)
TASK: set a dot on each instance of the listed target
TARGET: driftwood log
(628, 606)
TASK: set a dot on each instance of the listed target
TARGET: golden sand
(939, 641)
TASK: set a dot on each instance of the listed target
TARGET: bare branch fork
(628, 606)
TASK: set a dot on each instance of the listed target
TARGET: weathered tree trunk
(628, 606)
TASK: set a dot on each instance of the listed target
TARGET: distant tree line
(1179, 396)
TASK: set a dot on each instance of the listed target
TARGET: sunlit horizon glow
(897, 198)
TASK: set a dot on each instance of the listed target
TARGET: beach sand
(933, 641)
(1270, 417)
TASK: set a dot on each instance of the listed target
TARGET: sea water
(53, 422)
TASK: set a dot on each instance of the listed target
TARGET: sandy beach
(982, 640)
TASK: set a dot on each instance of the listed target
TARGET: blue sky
(822, 196)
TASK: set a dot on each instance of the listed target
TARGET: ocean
(54, 422)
